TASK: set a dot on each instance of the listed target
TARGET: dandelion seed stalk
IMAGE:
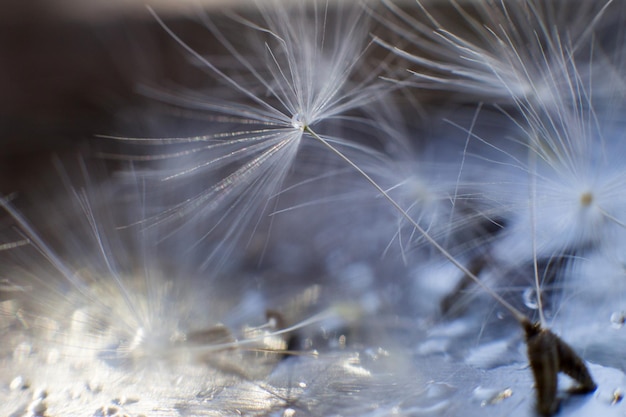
(515, 312)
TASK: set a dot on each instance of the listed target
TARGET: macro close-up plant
(314, 208)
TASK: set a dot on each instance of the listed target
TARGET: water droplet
(530, 298)
(492, 396)
(298, 122)
(17, 383)
(40, 394)
(617, 397)
(618, 319)
(38, 407)
(342, 341)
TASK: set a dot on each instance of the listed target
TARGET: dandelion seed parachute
(107, 320)
(490, 50)
(563, 139)
(563, 165)
(305, 70)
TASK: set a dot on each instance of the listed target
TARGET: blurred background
(71, 71)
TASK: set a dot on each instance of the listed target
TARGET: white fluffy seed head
(304, 67)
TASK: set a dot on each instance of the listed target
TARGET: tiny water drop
(298, 122)
(617, 396)
(618, 319)
(491, 396)
(530, 298)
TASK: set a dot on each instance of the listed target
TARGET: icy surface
(396, 376)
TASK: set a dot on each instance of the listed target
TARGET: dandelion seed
(311, 73)
(535, 66)
(496, 51)
(118, 315)
(565, 153)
